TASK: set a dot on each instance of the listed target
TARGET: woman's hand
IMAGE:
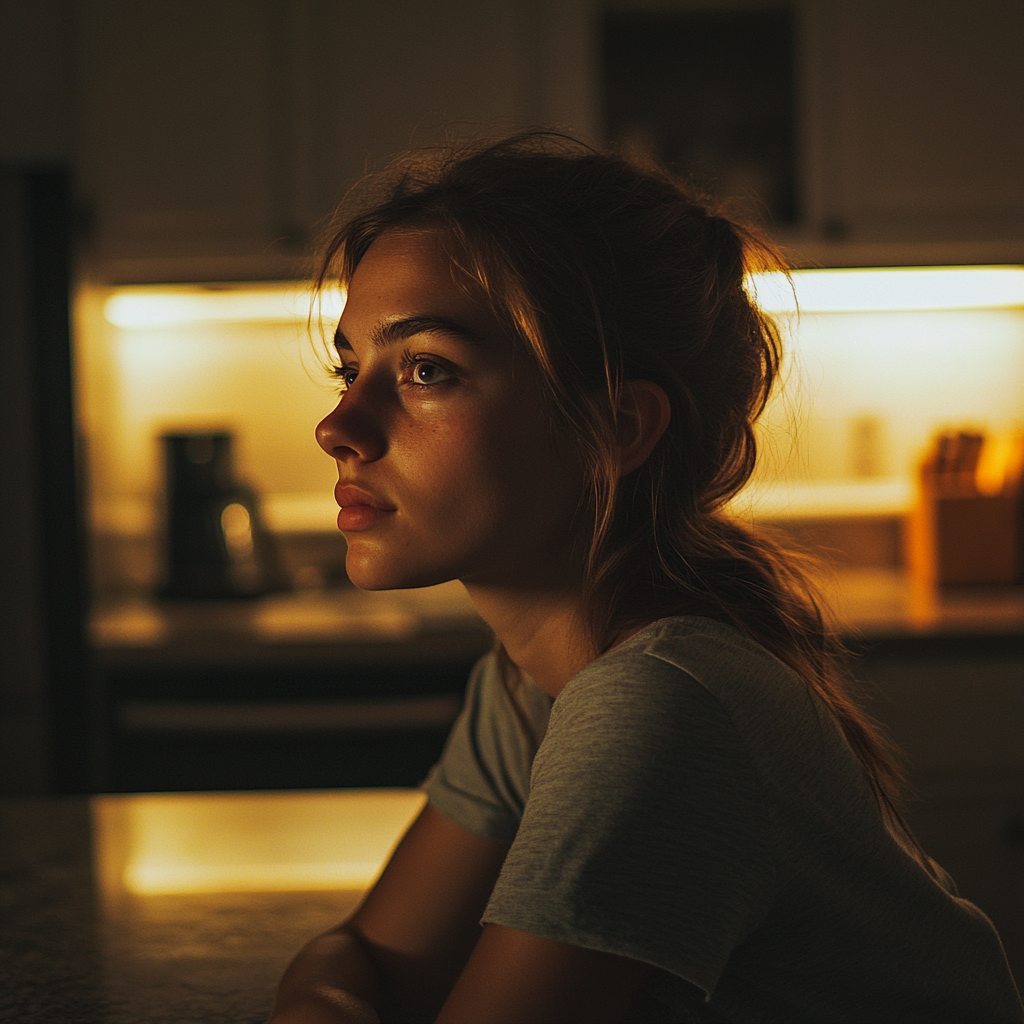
(331, 981)
(327, 1008)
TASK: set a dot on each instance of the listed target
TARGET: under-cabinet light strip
(812, 291)
(141, 308)
(894, 289)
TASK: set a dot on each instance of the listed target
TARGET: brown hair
(609, 271)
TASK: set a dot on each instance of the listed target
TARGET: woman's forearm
(330, 981)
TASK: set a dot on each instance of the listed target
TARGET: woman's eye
(345, 376)
(425, 374)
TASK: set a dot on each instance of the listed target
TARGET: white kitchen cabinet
(913, 132)
(915, 118)
(174, 152)
(213, 138)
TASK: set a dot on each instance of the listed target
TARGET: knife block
(963, 537)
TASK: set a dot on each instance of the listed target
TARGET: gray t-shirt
(692, 806)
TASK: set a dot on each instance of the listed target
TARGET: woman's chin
(373, 580)
(371, 574)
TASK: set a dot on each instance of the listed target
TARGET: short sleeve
(646, 832)
(482, 780)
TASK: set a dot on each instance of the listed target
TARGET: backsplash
(867, 390)
(863, 392)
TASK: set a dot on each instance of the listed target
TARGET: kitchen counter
(882, 604)
(78, 943)
(400, 627)
(79, 946)
(342, 688)
(410, 626)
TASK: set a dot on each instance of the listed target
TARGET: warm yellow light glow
(298, 619)
(169, 306)
(890, 289)
(816, 291)
(862, 396)
(1000, 463)
(831, 500)
(132, 624)
(248, 842)
(237, 526)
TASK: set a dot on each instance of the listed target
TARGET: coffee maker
(216, 544)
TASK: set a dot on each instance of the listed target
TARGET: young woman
(658, 803)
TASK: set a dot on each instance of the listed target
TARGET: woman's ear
(644, 413)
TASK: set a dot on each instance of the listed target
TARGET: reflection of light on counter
(890, 289)
(143, 308)
(247, 842)
(351, 616)
(343, 615)
(133, 624)
(356, 615)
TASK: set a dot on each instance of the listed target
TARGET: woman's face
(446, 464)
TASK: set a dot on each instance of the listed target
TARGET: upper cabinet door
(174, 151)
(915, 119)
(215, 138)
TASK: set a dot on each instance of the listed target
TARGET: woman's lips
(359, 509)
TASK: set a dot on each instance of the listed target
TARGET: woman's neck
(543, 633)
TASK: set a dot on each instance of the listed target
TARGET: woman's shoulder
(694, 679)
(681, 652)
(697, 643)
(646, 701)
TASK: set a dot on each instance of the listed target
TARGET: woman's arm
(513, 977)
(414, 949)
(401, 952)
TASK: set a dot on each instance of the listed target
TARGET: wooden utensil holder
(964, 538)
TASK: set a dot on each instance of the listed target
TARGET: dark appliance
(216, 544)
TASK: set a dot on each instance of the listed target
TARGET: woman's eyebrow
(389, 332)
(340, 341)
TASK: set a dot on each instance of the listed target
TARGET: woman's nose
(350, 431)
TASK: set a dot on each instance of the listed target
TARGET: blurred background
(165, 169)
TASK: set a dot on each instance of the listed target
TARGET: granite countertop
(70, 954)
